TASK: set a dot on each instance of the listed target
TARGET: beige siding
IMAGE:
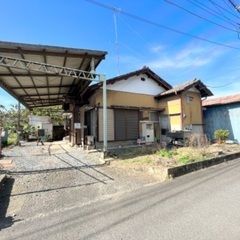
(192, 110)
(110, 124)
(172, 105)
(126, 99)
(175, 122)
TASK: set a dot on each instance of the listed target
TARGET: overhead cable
(213, 12)
(200, 16)
(158, 25)
(224, 9)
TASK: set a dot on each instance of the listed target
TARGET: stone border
(191, 167)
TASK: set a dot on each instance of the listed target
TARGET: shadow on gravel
(85, 165)
(54, 189)
(5, 193)
(48, 170)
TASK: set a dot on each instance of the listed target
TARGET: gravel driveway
(51, 177)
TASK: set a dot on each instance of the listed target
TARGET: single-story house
(141, 105)
(222, 113)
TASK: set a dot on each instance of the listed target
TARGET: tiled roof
(204, 91)
(222, 100)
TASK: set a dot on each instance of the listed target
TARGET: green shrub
(189, 157)
(167, 153)
(221, 135)
(183, 159)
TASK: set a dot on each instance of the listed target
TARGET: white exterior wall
(48, 129)
(42, 122)
(37, 120)
(136, 85)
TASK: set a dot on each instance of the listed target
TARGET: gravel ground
(54, 176)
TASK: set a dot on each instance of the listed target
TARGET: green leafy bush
(183, 159)
(167, 153)
(221, 135)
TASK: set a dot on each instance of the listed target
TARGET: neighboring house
(222, 113)
(141, 104)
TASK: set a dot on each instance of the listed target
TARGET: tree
(55, 112)
(17, 120)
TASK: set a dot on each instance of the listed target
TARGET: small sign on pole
(77, 125)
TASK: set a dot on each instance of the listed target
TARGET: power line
(228, 5)
(174, 4)
(227, 84)
(234, 5)
(219, 6)
(213, 12)
(158, 25)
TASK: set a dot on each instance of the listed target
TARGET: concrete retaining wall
(191, 167)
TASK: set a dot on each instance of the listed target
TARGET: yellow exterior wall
(175, 123)
(124, 99)
(180, 111)
(172, 105)
(192, 110)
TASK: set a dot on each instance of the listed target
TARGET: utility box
(148, 132)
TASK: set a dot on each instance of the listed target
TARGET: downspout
(203, 125)
(73, 133)
(82, 121)
(181, 114)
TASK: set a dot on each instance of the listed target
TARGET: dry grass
(175, 156)
(154, 164)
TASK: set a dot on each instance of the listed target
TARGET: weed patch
(167, 153)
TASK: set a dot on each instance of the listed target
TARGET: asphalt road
(201, 205)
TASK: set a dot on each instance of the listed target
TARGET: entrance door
(148, 132)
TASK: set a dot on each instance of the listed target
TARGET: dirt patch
(155, 160)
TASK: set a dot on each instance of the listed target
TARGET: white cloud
(157, 48)
(190, 56)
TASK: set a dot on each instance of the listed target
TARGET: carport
(41, 76)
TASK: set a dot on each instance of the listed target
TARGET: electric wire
(214, 12)
(167, 28)
(134, 31)
(228, 5)
(220, 7)
(210, 21)
(234, 5)
(159, 25)
(227, 84)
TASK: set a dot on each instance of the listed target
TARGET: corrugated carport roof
(36, 89)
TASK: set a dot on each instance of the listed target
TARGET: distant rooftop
(222, 100)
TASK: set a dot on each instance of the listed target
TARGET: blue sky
(179, 40)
